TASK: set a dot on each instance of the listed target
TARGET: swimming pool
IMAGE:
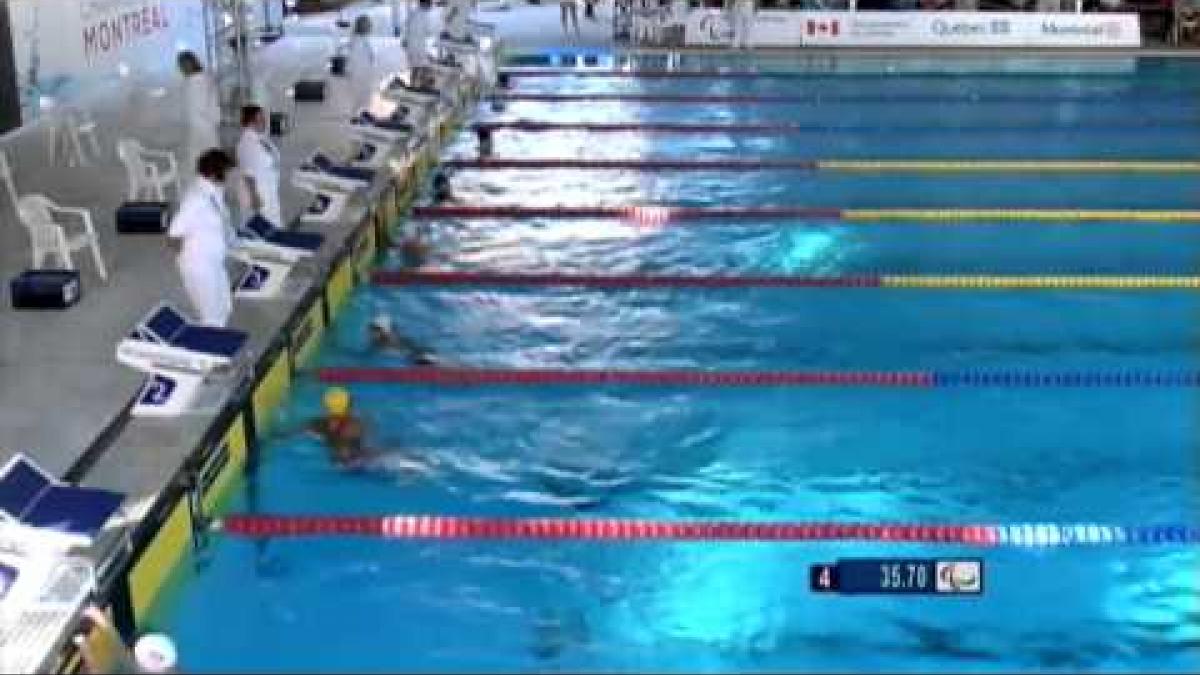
(1107, 455)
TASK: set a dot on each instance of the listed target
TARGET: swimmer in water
(442, 194)
(385, 338)
(344, 434)
(413, 251)
(341, 430)
(484, 136)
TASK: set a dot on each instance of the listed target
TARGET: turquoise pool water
(1122, 456)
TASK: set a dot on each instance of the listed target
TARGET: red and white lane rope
(461, 528)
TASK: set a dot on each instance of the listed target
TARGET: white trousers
(201, 137)
(272, 210)
(206, 282)
(268, 192)
(742, 21)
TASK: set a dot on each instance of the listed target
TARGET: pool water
(995, 455)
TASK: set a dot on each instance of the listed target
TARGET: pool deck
(63, 397)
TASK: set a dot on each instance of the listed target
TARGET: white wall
(69, 49)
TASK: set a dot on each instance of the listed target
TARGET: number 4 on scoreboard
(823, 578)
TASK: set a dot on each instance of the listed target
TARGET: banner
(970, 29)
(921, 29)
(713, 27)
(62, 47)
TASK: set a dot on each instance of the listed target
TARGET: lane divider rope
(763, 99)
(664, 214)
(649, 164)
(1149, 125)
(1035, 166)
(654, 74)
(919, 379)
(729, 74)
(932, 282)
(847, 166)
(466, 528)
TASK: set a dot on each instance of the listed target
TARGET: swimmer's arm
(408, 344)
(311, 427)
(402, 343)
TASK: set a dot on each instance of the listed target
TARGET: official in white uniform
(679, 16)
(201, 108)
(360, 41)
(458, 19)
(743, 21)
(258, 162)
(417, 31)
(200, 236)
(568, 14)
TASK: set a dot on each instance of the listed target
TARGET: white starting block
(370, 129)
(270, 254)
(465, 55)
(340, 177)
(328, 203)
(264, 279)
(40, 512)
(399, 91)
(370, 155)
(178, 356)
(262, 240)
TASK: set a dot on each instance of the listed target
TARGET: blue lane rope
(1033, 378)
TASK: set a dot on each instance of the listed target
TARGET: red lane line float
(674, 213)
(434, 278)
(486, 376)
(653, 164)
(604, 529)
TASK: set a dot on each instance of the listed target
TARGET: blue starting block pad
(326, 165)
(386, 123)
(30, 497)
(260, 228)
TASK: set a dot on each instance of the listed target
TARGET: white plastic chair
(150, 172)
(9, 179)
(71, 127)
(82, 125)
(650, 25)
(1187, 24)
(49, 236)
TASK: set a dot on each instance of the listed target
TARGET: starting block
(328, 204)
(178, 356)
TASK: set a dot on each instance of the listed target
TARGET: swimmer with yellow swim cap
(344, 434)
(341, 430)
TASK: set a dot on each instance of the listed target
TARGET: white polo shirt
(202, 223)
(201, 101)
(416, 39)
(258, 158)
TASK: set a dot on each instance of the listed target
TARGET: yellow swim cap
(337, 401)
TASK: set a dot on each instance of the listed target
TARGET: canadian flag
(814, 27)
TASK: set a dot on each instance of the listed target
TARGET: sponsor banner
(270, 392)
(713, 28)
(306, 337)
(920, 29)
(153, 568)
(62, 46)
(960, 65)
(969, 29)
